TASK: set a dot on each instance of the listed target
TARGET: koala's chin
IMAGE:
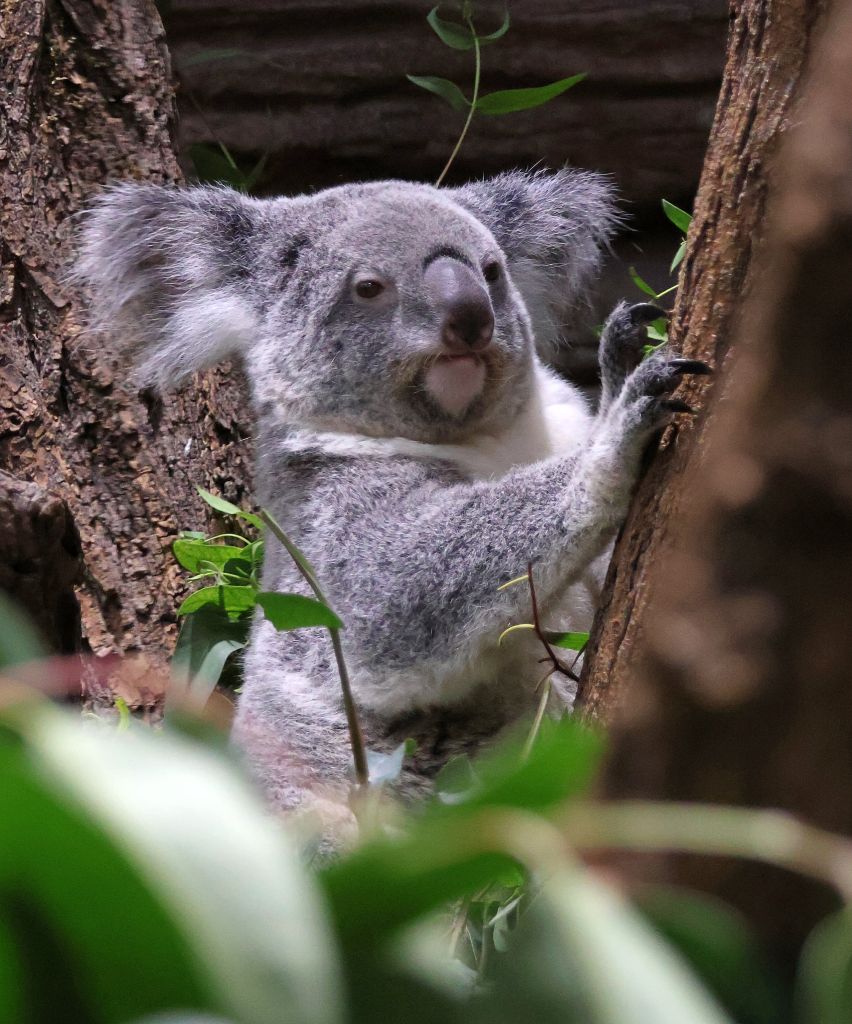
(454, 382)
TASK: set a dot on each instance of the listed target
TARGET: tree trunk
(767, 48)
(87, 100)
(742, 694)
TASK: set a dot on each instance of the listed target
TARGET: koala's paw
(644, 405)
(623, 340)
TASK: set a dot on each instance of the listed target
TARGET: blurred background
(309, 94)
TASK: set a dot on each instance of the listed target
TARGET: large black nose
(462, 303)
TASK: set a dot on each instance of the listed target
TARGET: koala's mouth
(453, 382)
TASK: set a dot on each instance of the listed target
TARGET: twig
(539, 632)
(356, 736)
(470, 112)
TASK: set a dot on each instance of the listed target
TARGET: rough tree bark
(87, 100)
(767, 49)
(742, 694)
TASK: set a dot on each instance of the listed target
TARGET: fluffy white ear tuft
(168, 276)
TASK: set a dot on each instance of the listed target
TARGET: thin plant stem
(356, 735)
(472, 109)
(546, 687)
(539, 632)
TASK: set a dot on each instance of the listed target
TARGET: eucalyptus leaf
(581, 953)
(457, 37)
(190, 553)
(680, 218)
(295, 611)
(720, 946)
(384, 768)
(229, 509)
(232, 599)
(442, 87)
(201, 904)
(641, 283)
(678, 256)
(507, 101)
(213, 165)
(658, 331)
(207, 638)
(568, 641)
(824, 982)
(492, 37)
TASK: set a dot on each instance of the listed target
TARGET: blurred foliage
(141, 879)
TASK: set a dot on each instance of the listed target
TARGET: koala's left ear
(553, 229)
(168, 273)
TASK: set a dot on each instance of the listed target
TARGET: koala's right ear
(167, 270)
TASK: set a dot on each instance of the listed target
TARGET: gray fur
(412, 517)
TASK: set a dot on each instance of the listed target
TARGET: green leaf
(154, 826)
(678, 256)
(581, 953)
(568, 641)
(208, 637)
(457, 37)
(658, 331)
(213, 165)
(73, 952)
(295, 611)
(492, 37)
(442, 87)
(19, 641)
(385, 768)
(231, 599)
(190, 553)
(721, 948)
(680, 218)
(641, 283)
(221, 505)
(509, 100)
(251, 179)
(824, 982)
(384, 886)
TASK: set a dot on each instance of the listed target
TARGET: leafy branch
(464, 36)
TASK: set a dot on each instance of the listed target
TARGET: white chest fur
(556, 421)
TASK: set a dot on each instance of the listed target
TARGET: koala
(410, 438)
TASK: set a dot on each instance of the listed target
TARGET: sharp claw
(676, 405)
(695, 366)
(646, 312)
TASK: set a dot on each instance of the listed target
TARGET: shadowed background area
(318, 92)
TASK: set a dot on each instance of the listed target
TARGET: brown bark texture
(88, 100)
(767, 47)
(743, 693)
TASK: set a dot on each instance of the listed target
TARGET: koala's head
(387, 308)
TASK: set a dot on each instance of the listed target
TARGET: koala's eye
(491, 271)
(369, 289)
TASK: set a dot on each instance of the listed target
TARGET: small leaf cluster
(658, 331)
(462, 35)
(219, 614)
(507, 101)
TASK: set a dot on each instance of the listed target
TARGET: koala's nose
(463, 305)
